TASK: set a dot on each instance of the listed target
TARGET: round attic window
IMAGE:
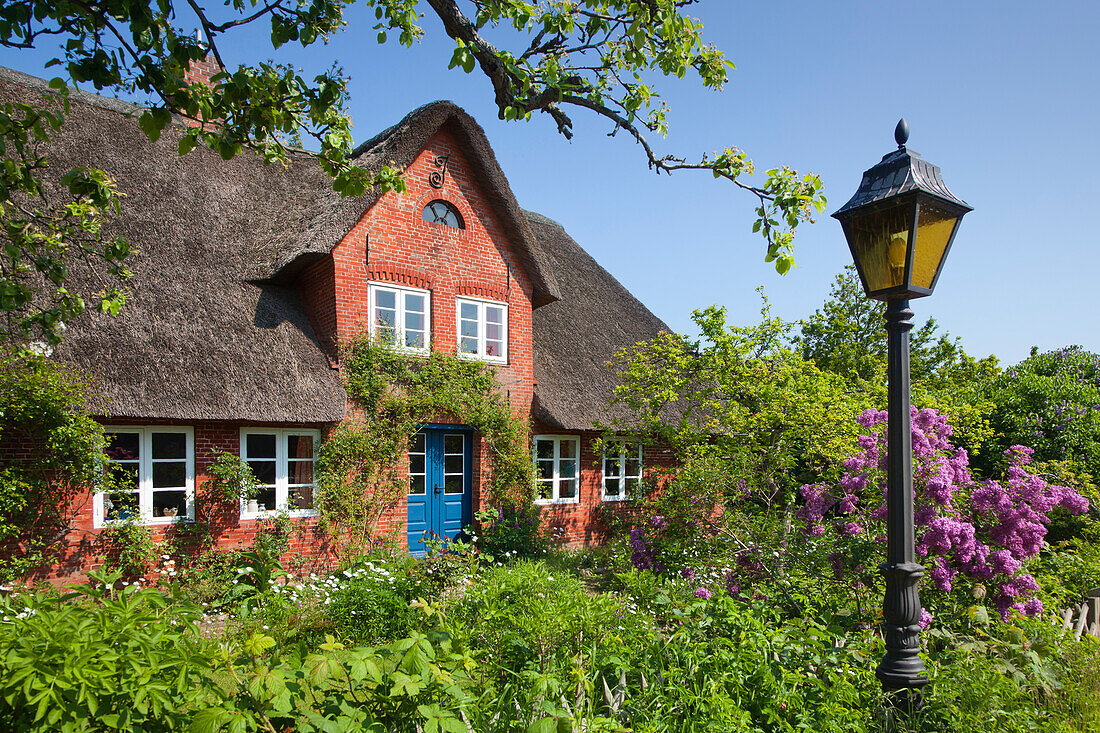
(442, 212)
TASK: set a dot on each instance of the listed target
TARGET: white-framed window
(282, 462)
(557, 468)
(150, 475)
(482, 329)
(401, 317)
(622, 470)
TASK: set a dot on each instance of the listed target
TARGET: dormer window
(441, 212)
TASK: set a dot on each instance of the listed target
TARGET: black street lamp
(899, 225)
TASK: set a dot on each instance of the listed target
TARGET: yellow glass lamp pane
(934, 228)
(879, 240)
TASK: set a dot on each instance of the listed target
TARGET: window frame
(145, 476)
(451, 208)
(622, 446)
(399, 291)
(482, 327)
(555, 482)
(282, 469)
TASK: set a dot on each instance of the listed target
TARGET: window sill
(554, 502)
(486, 359)
(405, 350)
(616, 498)
(142, 522)
(296, 514)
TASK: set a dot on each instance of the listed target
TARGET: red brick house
(249, 276)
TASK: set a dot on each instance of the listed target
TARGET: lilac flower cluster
(982, 530)
(641, 551)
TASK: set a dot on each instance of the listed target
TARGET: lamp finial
(901, 132)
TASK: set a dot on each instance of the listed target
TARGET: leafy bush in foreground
(97, 659)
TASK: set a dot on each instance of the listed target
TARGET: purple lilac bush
(978, 530)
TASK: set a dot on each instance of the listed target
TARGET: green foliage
(600, 56)
(47, 232)
(100, 659)
(728, 666)
(52, 452)
(741, 394)
(230, 479)
(207, 577)
(1020, 676)
(128, 548)
(525, 648)
(526, 623)
(512, 533)
(1050, 402)
(847, 336)
(1067, 571)
(373, 607)
(272, 538)
(359, 472)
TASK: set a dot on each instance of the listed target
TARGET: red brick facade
(392, 244)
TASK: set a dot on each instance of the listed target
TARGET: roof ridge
(372, 142)
(75, 92)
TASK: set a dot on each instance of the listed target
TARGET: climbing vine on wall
(360, 471)
(50, 452)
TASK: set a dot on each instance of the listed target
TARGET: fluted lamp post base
(901, 667)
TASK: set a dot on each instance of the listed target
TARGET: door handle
(438, 489)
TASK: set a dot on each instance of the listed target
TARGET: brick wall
(579, 524)
(393, 244)
(81, 551)
(201, 71)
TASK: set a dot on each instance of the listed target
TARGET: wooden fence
(1086, 618)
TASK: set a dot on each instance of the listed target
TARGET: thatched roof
(197, 338)
(214, 328)
(576, 337)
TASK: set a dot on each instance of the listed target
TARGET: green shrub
(127, 547)
(208, 577)
(509, 533)
(445, 566)
(98, 659)
(372, 607)
(526, 617)
(1067, 572)
(725, 665)
(51, 453)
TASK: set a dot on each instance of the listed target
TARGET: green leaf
(546, 725)
(209, 720)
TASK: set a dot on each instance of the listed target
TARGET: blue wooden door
(440, 472)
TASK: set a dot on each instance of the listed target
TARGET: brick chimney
(201, 71)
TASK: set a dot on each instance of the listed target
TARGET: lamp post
(899, 225)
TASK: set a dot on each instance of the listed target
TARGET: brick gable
(392, 244)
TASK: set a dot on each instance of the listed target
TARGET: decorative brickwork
(482, 290)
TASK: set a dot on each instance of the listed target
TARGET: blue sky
(1002, 96)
